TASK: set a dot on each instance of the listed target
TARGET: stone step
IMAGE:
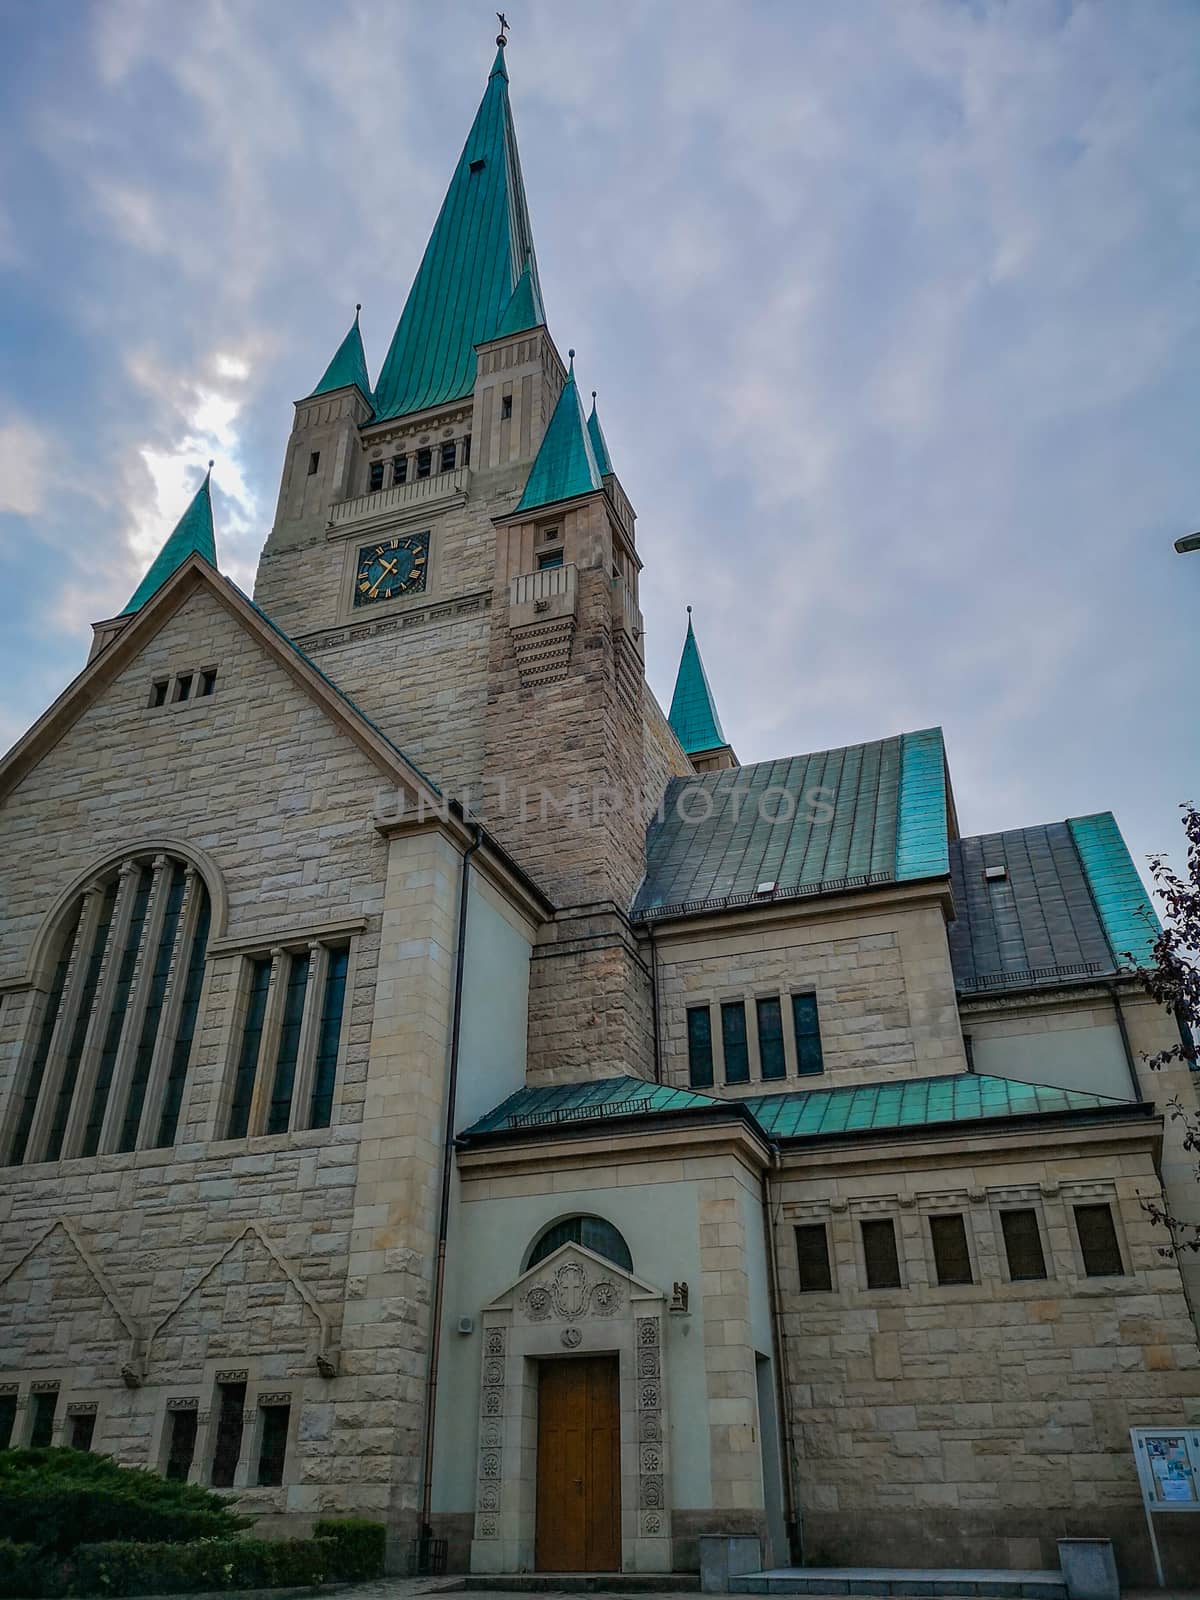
(935, 1582)
(576, 1582)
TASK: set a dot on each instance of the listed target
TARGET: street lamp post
(1190, 541)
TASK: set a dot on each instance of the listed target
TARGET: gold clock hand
(388, 568)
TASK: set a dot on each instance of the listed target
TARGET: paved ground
(413, 1588)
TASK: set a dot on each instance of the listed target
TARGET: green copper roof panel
(599, 442)
(1125, 908)
(1024, 914)
(480, 243)
(349, 365)
(808, 824)
(903, 1105)
(922, 835)
(564, 466)
(586, 1102)
(912, 1103)
(693, 714)
(525, 309)
(193, 535)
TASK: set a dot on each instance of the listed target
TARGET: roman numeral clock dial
(392, 568)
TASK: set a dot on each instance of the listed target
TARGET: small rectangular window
(548, 559)
(272, 1450)
(951, 1257)
(208, 682)
(375, 476)
(733, 1039)
(700, 1056)
(41, 1413)
(770, 1038)
(879, 1253)
(8, 1418)
(1098, 1241)
(969, 1051)
(812, 1257)
(505, 407)
(183, 687)
(1023, 1245)
(449, 453)
(181, 1444)
(314, 461)
(83, 1428)
(424, 463)
(399, 469)
(466, 455)
(228, 1447)
(809, 1059)
(158, 691)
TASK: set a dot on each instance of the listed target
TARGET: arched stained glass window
(591, 1232)
(107, 1049)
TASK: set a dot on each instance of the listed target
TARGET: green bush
(63, 1498)
(119, 1568)
(26, 1571)
(360, 1545)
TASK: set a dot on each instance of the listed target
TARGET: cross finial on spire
(502, 36)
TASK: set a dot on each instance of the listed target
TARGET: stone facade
(976, 1423)
(878, 964)
(438, 801)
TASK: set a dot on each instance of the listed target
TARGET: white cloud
(24, 468)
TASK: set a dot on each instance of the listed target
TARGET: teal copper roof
(1058, 903)
(193, 535)
(525, 309)
(922, 828)
(912, 1103)
(693, 713)
(903, 1105)
(586, 1102)
(564, 465)
(349, 365)
(1130, 923)
(808, 825)
(480, 243)
(599, 443)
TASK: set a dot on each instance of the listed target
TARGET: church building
(440, 1086)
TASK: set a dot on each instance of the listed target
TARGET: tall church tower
(453, 546)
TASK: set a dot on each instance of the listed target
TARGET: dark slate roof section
(1036, 925)
(716, 839)
(900, 1106)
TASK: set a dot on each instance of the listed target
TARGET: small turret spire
(565, 465)
(693, 713)
(192, 536)
(598, 441)
(348, 369)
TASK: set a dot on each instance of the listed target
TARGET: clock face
(392, 568)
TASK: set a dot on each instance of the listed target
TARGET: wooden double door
(579, 1465)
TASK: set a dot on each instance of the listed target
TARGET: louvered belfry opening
(105, 1058)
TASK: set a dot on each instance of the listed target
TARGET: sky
(892, 307)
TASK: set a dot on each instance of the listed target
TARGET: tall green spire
(193, 535)
(480, 244)
(599, 443)
(564, 465)
(693, 713)
(349, 365)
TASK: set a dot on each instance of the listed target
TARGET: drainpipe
(1124, 1032)
(658, 1077)
(439, 1274)
(791, 1517)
